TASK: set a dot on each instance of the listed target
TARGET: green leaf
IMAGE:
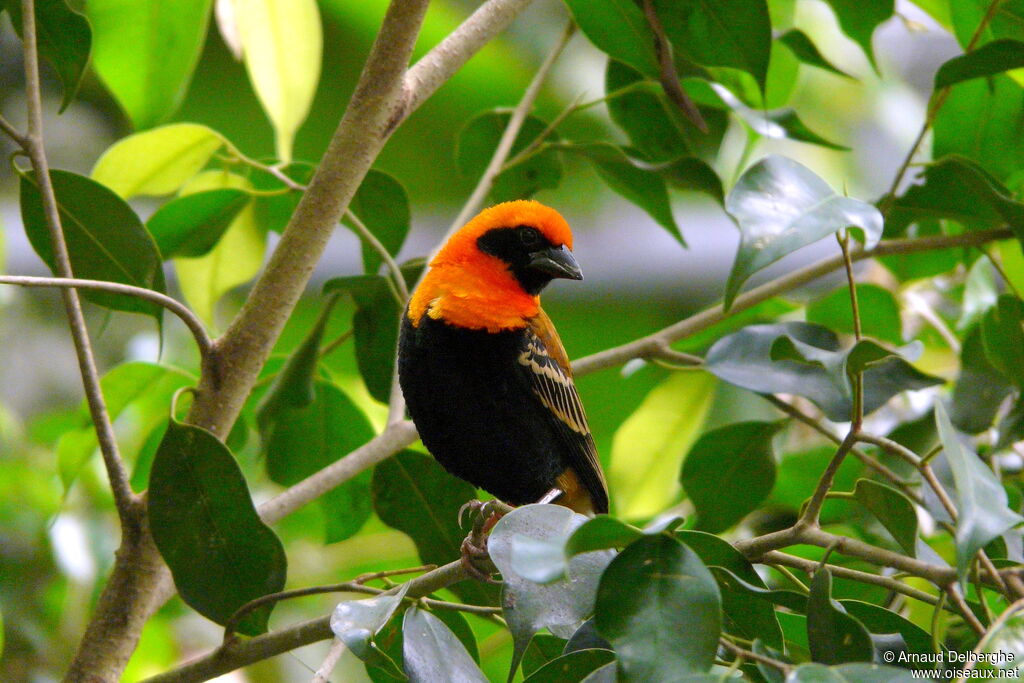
(356, 622)
(1005, 641)
(561, 605)
(275, 208)
(859, 19)
(601, 533)
(433, 653)
(980, 389)
(981, 120)
(740, 454)
(1003, 337)
(980, 499)
(1006, 20)
(572, 667)
(542, 649)
(301, 441)
(893, 509)
(807, 52)
(412, 493)
(158, 161)
(660, 607)
(105, 239)
(235, 260)
(980, 293)
(64, 39)
(833, 635)
(375, 325)
(798, 358)
(880, 314)
(636, 182)
(206, 528)
(849, 673)
(648, 448)
(789, 599)
(735, 34)
(991, 58)
(619, 29)
(877, 619)
(145, 52)
(282, 44)
(479, 138)
(780, 206)
(382, 204)
(191, 226)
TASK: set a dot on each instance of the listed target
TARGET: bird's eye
(530, 237)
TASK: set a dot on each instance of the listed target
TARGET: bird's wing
(546, 366)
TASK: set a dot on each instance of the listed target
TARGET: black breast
(475, 411)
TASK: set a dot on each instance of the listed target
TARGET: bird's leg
(474, 546)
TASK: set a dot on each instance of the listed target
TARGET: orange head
(489, 273)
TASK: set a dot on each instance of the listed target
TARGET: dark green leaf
(880, 620)
(849, 673)
(789, 599)
(601, 533)
(991, 58)
(356, 622)
(383, 206)
(572, 667)
(1003, 337)
(586, 637)
(880, 314)
(980, 499)
(192, 225)
(478, 140)
(64, 39)
(462, 630)
(735, 34)
(893, 509)
(980, 294)
(806, 51)
(780, 206)
(1011, 427)
(105, 238)
(433, 653)
(860, 18)
(660, 607)
(542, 649)
(833, 635)
(740, 454)
(633, 180)
(803, 359)
(619, 29)
(301, 441)
(413, 494)
(980, 389)
(206, 528)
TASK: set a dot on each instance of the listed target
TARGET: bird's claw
(471, 553)
(485, 515)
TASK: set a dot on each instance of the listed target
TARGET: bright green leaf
(807, 52)
(600, 533)
(191, 226)
(282, 44)
(146, 50)
(740, 454)
(433, 653)
(158, 161)
(206, 528)
(648, 448)
(780, 206)
(893, 509)
(64, 38)
(833, 635)
(860, 18)
(618, 28)
(991, 58)
(382, 204)
(1006, 21)
(880, 314)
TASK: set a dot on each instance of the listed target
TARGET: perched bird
(484, 374)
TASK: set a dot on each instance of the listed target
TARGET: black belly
(475, 411)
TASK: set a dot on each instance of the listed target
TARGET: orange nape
(471, 289)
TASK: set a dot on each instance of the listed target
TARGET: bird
(484, 374)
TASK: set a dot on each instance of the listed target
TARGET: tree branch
(12, 132)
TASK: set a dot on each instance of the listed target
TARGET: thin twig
(963, 608)
(13, 133)
(385, 255)
(813, 509)
(326, 668)
(535, 144)
(754, 657)
(667, 70)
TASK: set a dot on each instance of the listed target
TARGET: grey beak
(556, 262)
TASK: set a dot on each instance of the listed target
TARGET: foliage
(804, 483)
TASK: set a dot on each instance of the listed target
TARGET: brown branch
(13, 133)
(963, 608)
(667, 70)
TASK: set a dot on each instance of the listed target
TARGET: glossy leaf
(780, 206)
(356, 622)
(412, 493)
(191, 226)
(880, 314)
(235, 260)
(601, 533)
(741, 454)
(640, 185)
(206, 528)
(877, 619)
(980, 499)
(105, 239)
(980, 389)
(282, 43)
(302, 440)
(791, 600)
(572, 667)
(619, 29)
(807, 52)
(478, 140)
(1003, 337)
(64, 38)
(648, 448)
(991, 58)
(433, 653)
(542, 649)
(158, 161)
(561, 605)
(660, 607)
(893, 509)
(803, 359)
(145, 52)
(382, 204)
(586, 637)
(834, 636)
(860, 18)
